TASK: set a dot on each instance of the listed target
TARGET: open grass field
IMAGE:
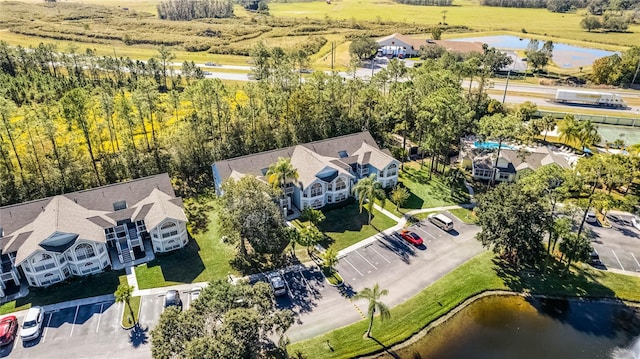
(477, 275)
(290, 25)
(205, 258)
(463, 13)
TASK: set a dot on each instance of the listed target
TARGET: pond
(564, 56)
(498, 327)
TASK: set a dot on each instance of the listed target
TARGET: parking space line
(74, 320)
(401, 241)
(615, 255)
(46, 329)
(99, 317)
(305, 280)
(429, 234)
(378, 253)
(366, 260)
(286, 282)
(634, 258)
(352, 266)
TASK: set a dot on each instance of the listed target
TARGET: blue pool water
(565, 56)
(490, 145)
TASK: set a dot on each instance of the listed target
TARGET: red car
(411, 237)
(8, 329)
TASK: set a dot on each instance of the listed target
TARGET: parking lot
(83, 331)
(618, 246)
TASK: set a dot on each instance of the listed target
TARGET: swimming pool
(490, 145)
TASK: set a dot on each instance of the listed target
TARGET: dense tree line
(426, 2)
(74, 120)
(186, 10)
(551, 5)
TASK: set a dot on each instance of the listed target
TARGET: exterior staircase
(126, 255)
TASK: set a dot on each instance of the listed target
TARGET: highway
(541, 95)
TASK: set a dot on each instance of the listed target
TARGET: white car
(591, 216)
(32, 325)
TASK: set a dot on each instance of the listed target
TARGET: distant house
(327, 169)
(403, 46)
(511, 163)
(49, 240)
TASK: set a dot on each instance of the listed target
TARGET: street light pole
(504, 95)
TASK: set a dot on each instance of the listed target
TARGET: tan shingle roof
(254, 164)
(161, 208)
(309, 164)
(61, 215)
(373, 156)
(86, 213)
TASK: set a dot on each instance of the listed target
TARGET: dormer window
(120, 205)
(343, 154)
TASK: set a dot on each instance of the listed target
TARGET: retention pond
(498, 327)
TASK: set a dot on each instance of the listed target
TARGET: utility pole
(504, 95)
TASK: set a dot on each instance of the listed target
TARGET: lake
(506, 327)
(564, 55)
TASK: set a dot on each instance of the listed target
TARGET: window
(341, 197)
(120, 205)
(316, 190)
(84, 251)
(65, 271)
(340, 184)
(329, 198)
(317, 203)
(41, 258)
(141, 226)
(169, 229)
(343, 154)
(392, 170)
(503, 176)
(100, 249)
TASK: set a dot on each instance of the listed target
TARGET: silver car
(277, 284)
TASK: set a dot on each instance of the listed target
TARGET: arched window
(392, 170)
(316, 190)
(340, 184)
(168, 229)
(41, 258)
(84, 251)
(317, 203)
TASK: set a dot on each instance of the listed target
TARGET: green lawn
(425, 192)
(346, 226)
(420, 216)
(205, 258)
(465, 215)
(75, 288)
(475, 276)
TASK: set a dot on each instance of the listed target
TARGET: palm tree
(330, 258)
(548, 124)
(373, 296)
(123, 295)
(280, 172)
(368, 189)
(568, 129)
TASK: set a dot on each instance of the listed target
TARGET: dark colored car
(8, 329)
(411, 237)
(172, 299)
(594, 259)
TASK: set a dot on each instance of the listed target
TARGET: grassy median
(127, 321)
(479, 274)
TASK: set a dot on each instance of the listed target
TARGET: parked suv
(32, 325)
(172, 299)
(277, 284)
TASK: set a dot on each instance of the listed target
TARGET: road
(548, 92)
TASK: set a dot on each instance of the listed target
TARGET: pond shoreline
(489, 293)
